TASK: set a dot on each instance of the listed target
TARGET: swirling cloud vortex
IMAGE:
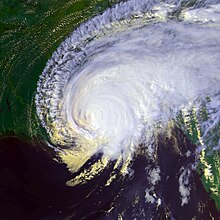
(123, 71)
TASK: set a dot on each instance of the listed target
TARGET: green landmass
(209, 161)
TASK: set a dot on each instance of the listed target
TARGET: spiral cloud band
(123, 71)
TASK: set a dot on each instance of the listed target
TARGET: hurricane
(127, 75)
